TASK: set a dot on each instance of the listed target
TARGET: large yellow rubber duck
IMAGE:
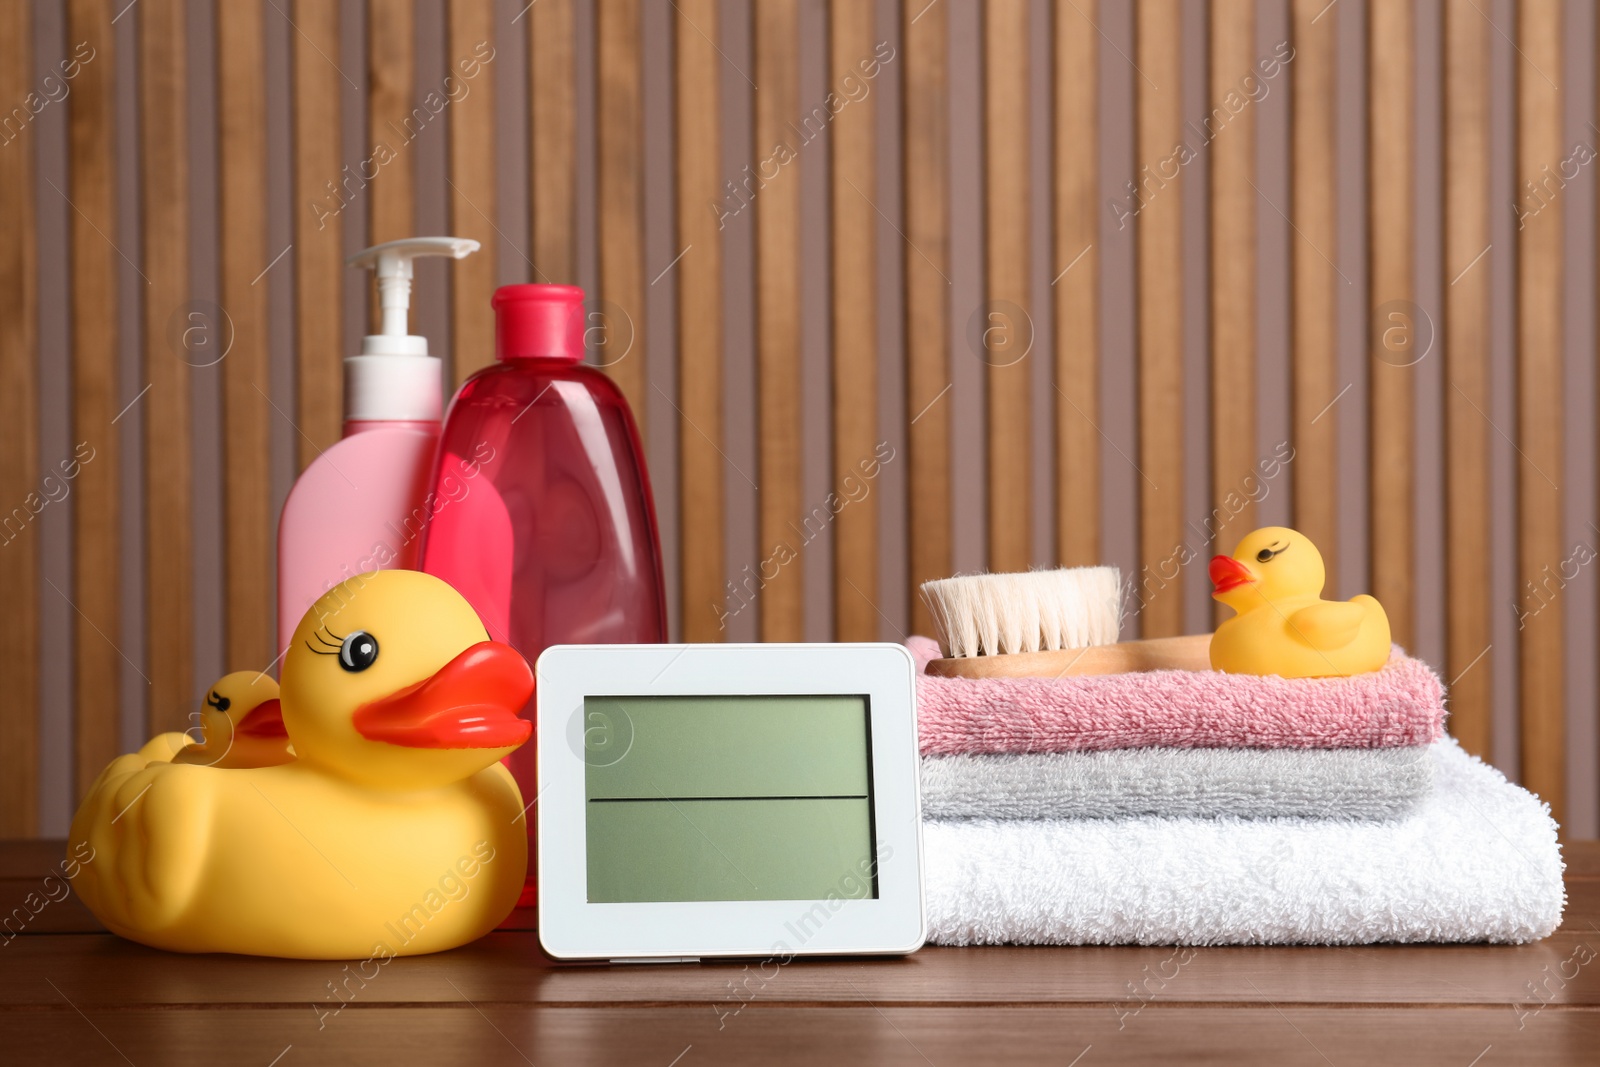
(1274, 581)
(241, 726)
(396, 831)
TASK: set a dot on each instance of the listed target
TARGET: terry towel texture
(1251, 783)
(1477, 861)
(1402, 704)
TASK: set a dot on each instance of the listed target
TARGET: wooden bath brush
(1046, 624)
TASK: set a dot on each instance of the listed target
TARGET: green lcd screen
(728, 798)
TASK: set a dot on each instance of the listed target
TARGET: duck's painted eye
(1265, 555)
(358, 652)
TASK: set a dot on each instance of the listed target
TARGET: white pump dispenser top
(394, 378)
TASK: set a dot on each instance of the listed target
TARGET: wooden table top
(71, 993)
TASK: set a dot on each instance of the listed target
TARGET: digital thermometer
(728, 800)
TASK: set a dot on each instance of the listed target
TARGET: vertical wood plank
(1539, 402)
(1007, 329)
(620, 196)
(19, 425)
(925, 259)
(318, 211)
(96, 544)
(851, 47)
(1466, 391)
(242, 200)
(168, 477)
(472, 190)
(1314, 361)
(552, 87)
(1158, 113)
(1077, 287)
(1233, 277)
(699, 272)
(779, 447)
(391, 74)
(1393, 316)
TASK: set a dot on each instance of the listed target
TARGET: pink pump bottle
(542, 513)
(361, 505)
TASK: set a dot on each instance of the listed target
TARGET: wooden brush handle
(1191, 653)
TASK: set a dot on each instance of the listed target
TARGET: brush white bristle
(1031, 611)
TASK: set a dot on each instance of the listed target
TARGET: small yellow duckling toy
(395, 832)
(1274, 581)
(242, 726)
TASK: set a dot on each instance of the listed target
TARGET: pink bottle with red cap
(542, 513)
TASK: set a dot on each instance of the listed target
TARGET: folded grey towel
(1251, 783)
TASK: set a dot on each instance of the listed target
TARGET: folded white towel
(1477, 861)
(1252, 783)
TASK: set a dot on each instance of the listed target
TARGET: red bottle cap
(538, 322)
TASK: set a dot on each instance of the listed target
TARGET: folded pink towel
(1402, 704)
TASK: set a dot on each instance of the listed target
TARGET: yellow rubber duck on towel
(1274, 581)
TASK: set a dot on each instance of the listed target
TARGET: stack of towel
(1199, 808)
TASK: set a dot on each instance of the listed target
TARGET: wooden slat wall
(852, 44)
(1466, 347)
(553, 153)
(1394, 325)
(1108, 307)
(699, 278)
(1316, 387)
(1233, 277)
(96, 540)
(926, 259)
(19, 425)
(1540, 390)
(1159, 230)
(472, 188)
(620, 178)
(168, 488)
(391, 77)
(1007, 330)
(1077, 286)
(318, 226)
(242, 204)
(777, 223)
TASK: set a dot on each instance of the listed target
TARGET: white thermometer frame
(570, 927)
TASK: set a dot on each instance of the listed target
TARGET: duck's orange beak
(264, 722)
(1228, 574)
(472, 702)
